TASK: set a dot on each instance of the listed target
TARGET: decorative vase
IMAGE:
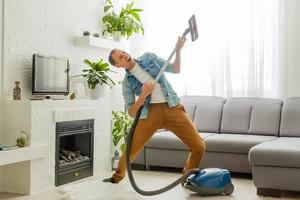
(117, 36)
(22, 139)
(98, 92)
(17, 91)
(115, 160)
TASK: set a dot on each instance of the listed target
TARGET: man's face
(122, 59)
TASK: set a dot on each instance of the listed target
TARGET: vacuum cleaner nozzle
(192, 28)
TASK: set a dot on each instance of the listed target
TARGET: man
(163, 110)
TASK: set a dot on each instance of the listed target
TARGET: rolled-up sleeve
(160, 62)
(128, 95)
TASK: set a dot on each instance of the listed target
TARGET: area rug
(97, 190)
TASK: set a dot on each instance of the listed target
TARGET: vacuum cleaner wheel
(228, 189)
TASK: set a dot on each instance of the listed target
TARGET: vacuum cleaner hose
(194, 35)
(129, 170)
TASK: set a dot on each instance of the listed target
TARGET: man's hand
(180, 43)
(147, 88)
(146, 91)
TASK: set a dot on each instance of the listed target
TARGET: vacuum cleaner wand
(194, 35)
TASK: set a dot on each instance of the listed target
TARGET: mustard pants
(174, 119)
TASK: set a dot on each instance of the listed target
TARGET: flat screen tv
(50, 75)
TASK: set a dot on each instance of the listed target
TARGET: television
(50, 75)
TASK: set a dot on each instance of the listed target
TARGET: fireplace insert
(74, 150)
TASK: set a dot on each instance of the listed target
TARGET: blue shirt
(152, 64)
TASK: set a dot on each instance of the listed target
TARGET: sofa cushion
(190, 104)
(281, 152)
(254, 100)
(201, 99)
(234, 143)
(190, 110)
(292, 101)
(265, 119)
(236, 116)
(168, 140)
(208, 117)
(290, 118)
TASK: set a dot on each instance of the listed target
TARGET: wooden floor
(94, 189)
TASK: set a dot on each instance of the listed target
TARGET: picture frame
(80, 88)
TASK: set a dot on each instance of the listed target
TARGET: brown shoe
(109, 180)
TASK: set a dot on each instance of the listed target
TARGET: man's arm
(146, 91)
(177, 61)
(128, 95)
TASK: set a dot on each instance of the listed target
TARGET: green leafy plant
(126, 22)
(97, 73)
(121, 124)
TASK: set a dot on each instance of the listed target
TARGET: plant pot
(99, 92)
(107, 36)
(117, 36)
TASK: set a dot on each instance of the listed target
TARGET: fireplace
(74, 150)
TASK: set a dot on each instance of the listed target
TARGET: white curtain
(236, 53)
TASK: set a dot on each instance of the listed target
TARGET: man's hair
(110, 58)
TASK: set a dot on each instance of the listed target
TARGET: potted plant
(121, 125)
(125, 23)
(97, 77)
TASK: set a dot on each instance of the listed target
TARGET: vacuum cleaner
(209, 181)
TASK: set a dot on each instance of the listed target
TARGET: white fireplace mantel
(38, 119)
(23, 154)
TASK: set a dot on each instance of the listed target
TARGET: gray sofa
(276, 163)
(249, 135)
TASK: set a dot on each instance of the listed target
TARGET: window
(236, 53)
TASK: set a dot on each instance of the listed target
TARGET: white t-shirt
(141, 75)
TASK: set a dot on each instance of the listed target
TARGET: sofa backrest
(257, 116)
(290, 118)
(205, 111)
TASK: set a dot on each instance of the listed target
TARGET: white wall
(1, 46)
(49, 27)
(290, 47)
(293, 44)
(138, 42)
(1, 63)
